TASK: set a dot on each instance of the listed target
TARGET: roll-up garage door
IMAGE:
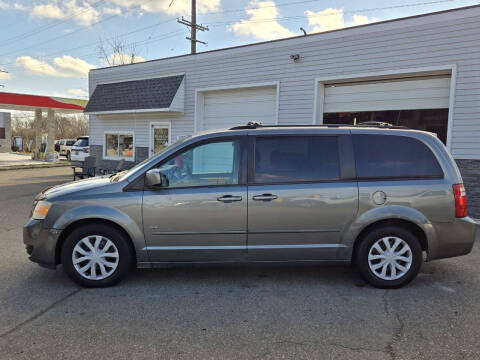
(234, 107)
(394, 94)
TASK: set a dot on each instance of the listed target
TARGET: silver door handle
(265, 197)
(229, 198)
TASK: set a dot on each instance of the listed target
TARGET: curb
(31, 166)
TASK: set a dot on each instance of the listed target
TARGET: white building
(5, 132)
(421, 71)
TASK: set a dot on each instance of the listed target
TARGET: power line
(330, 13)
(69, 34)
(86, 56)
(287, 18)
(128, 33)
(50, 25)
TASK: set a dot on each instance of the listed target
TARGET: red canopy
(26, 102)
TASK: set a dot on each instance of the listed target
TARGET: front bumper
(40, 243)
(453, 239)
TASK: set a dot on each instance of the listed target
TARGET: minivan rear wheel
(96, 255)
(389, 257)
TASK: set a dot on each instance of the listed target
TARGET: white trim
(433, 70)
(167, 124)
(380, 75)
(199, 98)
(240, 86)
(138, 78)
(117, 132)
(451, 107)
(133, 111)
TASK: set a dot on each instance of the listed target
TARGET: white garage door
(234, 107)
(400, 94)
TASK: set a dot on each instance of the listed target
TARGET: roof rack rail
(250, 125)
(377, 124)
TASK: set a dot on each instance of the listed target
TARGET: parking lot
(226, 312)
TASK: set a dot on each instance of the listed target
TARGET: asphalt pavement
(240, 312)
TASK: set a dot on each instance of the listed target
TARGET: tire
(109, 267)
(382, 268)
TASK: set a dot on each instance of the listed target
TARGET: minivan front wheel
(389, 257)
(96, 255)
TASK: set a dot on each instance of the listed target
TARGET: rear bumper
(453, 239)
(80, 157)
(40, 243)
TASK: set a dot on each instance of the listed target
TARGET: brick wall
(470, 170)
(141, 153)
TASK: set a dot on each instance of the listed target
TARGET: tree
(66, 126)
(116, 52)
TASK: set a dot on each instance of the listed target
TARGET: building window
(2, 133)
(119, 145)
(432, 120)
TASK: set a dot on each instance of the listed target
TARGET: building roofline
(297, 37)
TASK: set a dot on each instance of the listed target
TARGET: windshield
(126, 173)
(81, 142)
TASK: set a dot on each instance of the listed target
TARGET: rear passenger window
(296, 159)
(388, 156)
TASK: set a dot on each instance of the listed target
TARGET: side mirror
(154, 177)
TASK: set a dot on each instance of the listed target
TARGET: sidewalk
(11, 161)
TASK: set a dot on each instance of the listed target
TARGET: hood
(73, 187)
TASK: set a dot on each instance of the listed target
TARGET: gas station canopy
(24, 102)
(39, 104)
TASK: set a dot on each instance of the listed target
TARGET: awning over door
(164, 94)
(395, 94)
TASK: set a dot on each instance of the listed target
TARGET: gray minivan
(377, 196)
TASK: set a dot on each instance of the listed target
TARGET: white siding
(138, 123)
(178, 102)
(435, 40)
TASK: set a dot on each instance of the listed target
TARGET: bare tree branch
(116, 52)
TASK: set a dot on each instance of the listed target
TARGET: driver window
(215, 163)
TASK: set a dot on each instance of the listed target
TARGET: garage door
(234, 107)
(399, 94)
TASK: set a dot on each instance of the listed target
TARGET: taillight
(460, 200)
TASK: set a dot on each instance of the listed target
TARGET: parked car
(80, 149)
(58, 145)
(378, 197)
(66, 147)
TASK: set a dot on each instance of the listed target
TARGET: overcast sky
(48, 46)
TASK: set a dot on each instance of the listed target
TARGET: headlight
(41, 210)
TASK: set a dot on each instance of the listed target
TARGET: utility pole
(194, 27)
(193, 42)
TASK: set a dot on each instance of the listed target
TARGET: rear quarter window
(391, 156)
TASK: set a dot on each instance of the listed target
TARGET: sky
(47, 47)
